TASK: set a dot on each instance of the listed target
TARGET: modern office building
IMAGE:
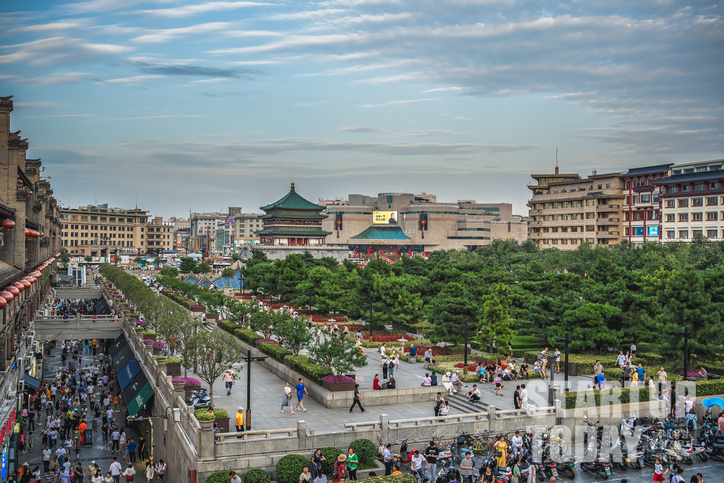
(567, 210)
(394, 224)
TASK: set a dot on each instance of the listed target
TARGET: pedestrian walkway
(102, 457)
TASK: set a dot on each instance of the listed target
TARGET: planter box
(155, 351)
(214, 317)
(173, 370)
(196, 310)
(338, 386)
(149, 337)
(223, 424)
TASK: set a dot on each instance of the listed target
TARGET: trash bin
(572, 368)
(88, 437)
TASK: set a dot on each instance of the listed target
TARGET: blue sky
(206, 104)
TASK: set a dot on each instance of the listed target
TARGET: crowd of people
(71, 308)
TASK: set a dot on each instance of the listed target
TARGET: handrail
(244, 435)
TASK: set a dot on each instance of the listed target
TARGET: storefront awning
(133, 382)
(31, 381)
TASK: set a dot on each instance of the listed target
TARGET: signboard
(129, 371)
(384, 218)
(117, 345)
(652, 230)
(122, 358)
(137, 393)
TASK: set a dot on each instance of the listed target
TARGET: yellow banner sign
(384, 218)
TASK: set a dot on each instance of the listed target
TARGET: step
(463, 404)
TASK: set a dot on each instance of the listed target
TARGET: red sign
(7, 429)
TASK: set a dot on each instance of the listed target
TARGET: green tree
(168, 271)
(187, 265)
(213, 352)
(452, 306)
(202, 268)
(292, 272)
(339, 354)
(589, 326)
(158, 261)
(228, 273)
(88, 258)
(293, 334)
(495, 323)
(400, 297)
(263, 322)
(64, 256)
(687, 302)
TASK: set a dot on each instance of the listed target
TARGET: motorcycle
(716, 450)
(601, 466)
(445, 457)
(500, 475)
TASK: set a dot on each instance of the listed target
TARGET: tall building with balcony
(691, 202)
(642, 212)
(567, 210)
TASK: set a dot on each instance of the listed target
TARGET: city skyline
(204, 105)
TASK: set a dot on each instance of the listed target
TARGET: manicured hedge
(228, 326)
(257, 476)
(290, 467)
(219, 477)
(593, 398)
(275, 350)
(587, 361)
(404, 478)
(365, 449)
(314, 372)
(247, 335)
(330, 454)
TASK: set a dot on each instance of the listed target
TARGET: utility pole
(686, 335)
(565, 340)
(249, 359)
(464, 326)
(370, 305)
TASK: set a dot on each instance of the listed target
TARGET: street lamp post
(370, 305)
(686, 335)
(565, 340)
(249, 359)
(309, 294)
(551, 387)
(464, 326)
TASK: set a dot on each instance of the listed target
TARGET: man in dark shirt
(625, 375)
(524, 370)
(431, 454)
(516, 397)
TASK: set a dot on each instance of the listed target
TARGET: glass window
(711, 216)
(683, 217)
(683, 203)
(697, 201)
(696, 216)
(683, 233)
(671, 234)
(711, 233)
(671, 203)
(712, 200)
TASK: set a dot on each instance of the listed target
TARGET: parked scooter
(601, 466)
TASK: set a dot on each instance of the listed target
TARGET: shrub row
(310, 370)
(253, 476)
(247, 335)
(275, 350)
(593, 398)
(586, 362)
(291, 466)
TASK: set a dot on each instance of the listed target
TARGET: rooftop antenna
(136, 201)
(556, 160)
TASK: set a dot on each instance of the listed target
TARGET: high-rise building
(567, 210)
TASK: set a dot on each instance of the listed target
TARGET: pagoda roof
(289, 232)
(300, 216)
(293, 201)
(382, 233)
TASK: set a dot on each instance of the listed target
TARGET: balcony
(608, 234)
(608, 207)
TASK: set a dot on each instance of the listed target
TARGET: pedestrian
(388, 458)
(234, 478)
(659, 472)
(129, 472)
(352, 461)
(150, 472)
(115, 470)
(602, 380)
(597, 369)
(438, 401)
(662, 377)
(384, 366)
(141, 448)
(160, 470)
(240, 419)
(558, 360)
(498, 385)
(229, 378)
(432, 453)
(286, 400)
(516, 397)
(301, 391)
(466, 468)
(131, 450)
(357, 399)
(678, 477)
(339, 470)
(523, 398)
(317, 459)
(420, 465)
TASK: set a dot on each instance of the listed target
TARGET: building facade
(108, 232)
(567, 210)
(642, 210)
(404, 223)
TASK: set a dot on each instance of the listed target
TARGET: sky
(187, 105)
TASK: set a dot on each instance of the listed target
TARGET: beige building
(244, 229)
(691, 202)
(567, 210)
(399, 223)
(100, 231)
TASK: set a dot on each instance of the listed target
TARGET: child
(498, 385)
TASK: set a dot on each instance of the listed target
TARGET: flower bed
(259, 341)
(198, 308)
(159, 345)
(471, 367)
(336, 318)
(187, 382)
(387, 337)
(338, 383)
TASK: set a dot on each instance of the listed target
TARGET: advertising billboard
(384, 217)
(652, 231)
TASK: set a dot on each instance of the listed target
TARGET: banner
(384, 218)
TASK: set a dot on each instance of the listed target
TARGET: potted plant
(205, 419)
(198, 308)
(149, 344)
(149, 335)
(338, 383)
(221, 418)
(212, 316)
(189, 383)
(173, 366)
(157, 346)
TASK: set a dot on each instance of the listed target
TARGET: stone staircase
(460, 403)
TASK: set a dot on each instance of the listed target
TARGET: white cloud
(447, 89)
(36, 104)
(94, 6)
(46, 27)
(308, 14)
(59, 50)
(189, 10)
(131, 80)
(164, 35)
(401, 103)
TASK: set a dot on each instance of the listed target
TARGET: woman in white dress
(447, 384)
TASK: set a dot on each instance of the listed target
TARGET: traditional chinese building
(293, 221)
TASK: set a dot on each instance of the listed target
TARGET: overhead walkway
(81, 327)
(77, 293)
